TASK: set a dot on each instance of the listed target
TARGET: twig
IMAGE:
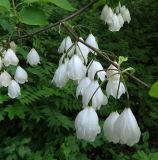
(55, 24)
(101, 54)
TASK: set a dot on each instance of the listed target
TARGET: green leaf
(64, 4)
(154, 90)
(33, 16)
(17, 110)
(122, 59)
(5, 4)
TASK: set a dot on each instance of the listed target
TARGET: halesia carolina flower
(121, 21)
(94, 93)
(115, 24)
(108, 127)
(33, 57)
(125, 14)
(13, 89)
(76, 68)
(82, 86)
(113, 73)
(126, 128)
(1, 63)
(65, 45)
(92, 41)
(10, 58)
(82, 51)
(87, 125)
(13, 46)
(96, 67)
(5, 79)
(20, 75)
(114, 86)
(60, 77)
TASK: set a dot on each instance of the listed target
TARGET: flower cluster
(122, 128)
(89, 75)
(8, 58)
(115, 18)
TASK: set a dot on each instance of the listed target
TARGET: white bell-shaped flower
(76, 68)
(109, 16)
(92, 41)
(125, 14)
(115, 25)
(87, 125)
(61, 77)
(82, 51)
(96, 67)
(5, 79)
(104, 13)
(82, 86)
(93, 92)
(13, 89)
(108, 127)
(20, 75)
(1, 63)
(65, 45)
(113, 73)
(120, 18)
(33, 57)
(10, 58)
(13, 46)
(126, 128)
(113, 87)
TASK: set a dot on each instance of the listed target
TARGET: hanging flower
(82, 51)
(33, 57)
(108, 127)
(13, 89)
(92, 41)
(125, 14)
(20, 75)
(120, 18)
(113, 73)
(5, 79)
(1, 63)
(96, 67)
(76, 69)
(112, 88)
(82, 86)
(13, 46)
(60, 77)
(65, 45)
(126, 128)
(10, 58)
(87, 125)
(93, 92)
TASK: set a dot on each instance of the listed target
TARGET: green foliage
(154, 90)
(39, 125)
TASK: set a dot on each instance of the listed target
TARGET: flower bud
(13, 89)
(33, 57)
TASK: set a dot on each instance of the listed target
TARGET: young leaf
(33, 16)
(5, 4)
(122, 59)
(154, 90)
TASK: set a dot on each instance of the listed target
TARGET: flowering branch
(101, 54)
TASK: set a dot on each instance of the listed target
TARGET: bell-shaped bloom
(20, 75)
(115, 24)
(13, 89)
(96, 68)
(76, 68)
(82, 51)
(61, 77)
(120, 18)
(108, 127)
(65, 45)
(125, 14)
(33, 57)
(10, 58)
(115, 89)
(113, 73)
(94, 93)
(126, 128)
(82, 86)
(92, 41)
(13, 46)
(5, 79)
(87, 125)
